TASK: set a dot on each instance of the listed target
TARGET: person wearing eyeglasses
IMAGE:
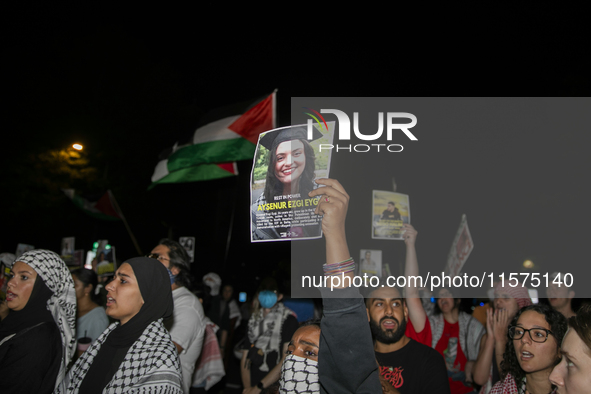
(507, 302)
(532, 351)
(187, 326)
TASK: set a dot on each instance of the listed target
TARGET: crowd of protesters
(162, 331)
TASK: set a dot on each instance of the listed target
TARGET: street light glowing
(77, 146)
(528, 264)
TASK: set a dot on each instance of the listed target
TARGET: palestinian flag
(105, 208)
(223, 137)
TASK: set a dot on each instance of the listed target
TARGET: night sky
(129, 82)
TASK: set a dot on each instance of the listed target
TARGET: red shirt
(455, 360)
(425, 337)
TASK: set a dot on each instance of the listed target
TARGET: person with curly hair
(573, 375)
(532, 351)
(508, 300)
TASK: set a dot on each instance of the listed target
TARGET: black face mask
(387, 337)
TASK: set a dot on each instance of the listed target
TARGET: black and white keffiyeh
(265, 332)
(299, 375)
(151, 365)
(62, 304)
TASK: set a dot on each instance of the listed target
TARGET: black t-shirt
(290, 325)
(416, 368)
(387, 215)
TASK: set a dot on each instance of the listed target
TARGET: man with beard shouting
(410, 366)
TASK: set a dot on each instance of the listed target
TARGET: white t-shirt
(92, 324)
(187, 328)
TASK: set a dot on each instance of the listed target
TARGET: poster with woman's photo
(285, 166)
(389, 212)
(370, 262)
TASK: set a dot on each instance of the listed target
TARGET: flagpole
(137, 247)
(231, 226)
(120, 213)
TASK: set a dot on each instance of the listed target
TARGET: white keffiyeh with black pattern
(62, 304)
(299, 375)
(151, 365)
(265, 331)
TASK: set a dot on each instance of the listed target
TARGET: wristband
(342, 267)
(260, 385)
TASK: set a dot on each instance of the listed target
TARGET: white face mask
(299, 375)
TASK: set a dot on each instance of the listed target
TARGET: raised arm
(495, 340)
(333, 205)
(500, 327)
(481, 370)
(346, 359)
(416, 312)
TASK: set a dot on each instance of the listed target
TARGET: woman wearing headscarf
(37, 337)
(135, 354)
(507, 302)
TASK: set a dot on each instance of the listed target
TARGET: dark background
(129, 81)
(513, 166)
